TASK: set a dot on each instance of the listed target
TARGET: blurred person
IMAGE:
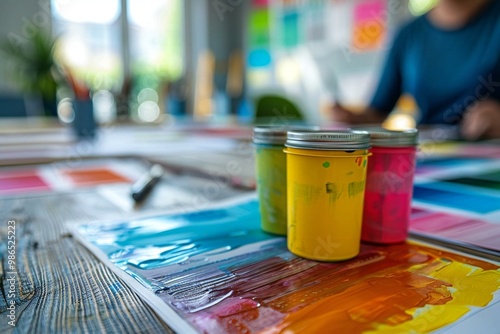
(449, 61)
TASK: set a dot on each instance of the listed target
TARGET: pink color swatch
(369, 11)
(16, 182)
(455, 227)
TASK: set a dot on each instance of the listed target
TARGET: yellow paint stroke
(471, 286)
(423, 297)
(430, 318)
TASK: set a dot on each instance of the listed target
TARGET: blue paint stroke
(168, 240)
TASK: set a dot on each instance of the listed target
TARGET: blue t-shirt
(445, 71)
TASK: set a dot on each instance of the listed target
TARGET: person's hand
(482, 120)
(340, 114)
(343, 115)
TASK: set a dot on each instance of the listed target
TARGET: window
(156, 50)
(137, 59)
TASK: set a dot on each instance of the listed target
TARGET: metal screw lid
(276, 135)
(391, 138)
(329, 140)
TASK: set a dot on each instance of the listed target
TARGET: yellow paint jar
(326, 175)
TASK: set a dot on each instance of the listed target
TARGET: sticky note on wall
(259, 58)
(290, 29)
(369, 24)
(259, 28)
(259, 3)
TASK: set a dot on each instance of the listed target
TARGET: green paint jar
(271, 175)
(270, 161)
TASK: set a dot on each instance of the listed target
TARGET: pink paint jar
(389, 185)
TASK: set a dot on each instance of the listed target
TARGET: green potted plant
(34, 69)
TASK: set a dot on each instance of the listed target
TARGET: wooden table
(60, 287)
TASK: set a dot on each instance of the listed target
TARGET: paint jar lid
(329, 140)
(276, 135)
(391, 138)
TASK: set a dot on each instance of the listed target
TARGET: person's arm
(386, 95)
(368, 115)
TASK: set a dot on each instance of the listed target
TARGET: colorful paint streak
(222, 274)
(378, 291)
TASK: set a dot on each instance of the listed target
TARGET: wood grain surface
(60, 286)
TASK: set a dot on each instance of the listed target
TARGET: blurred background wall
(147, 60)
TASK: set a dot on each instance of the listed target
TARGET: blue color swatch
(474, 202)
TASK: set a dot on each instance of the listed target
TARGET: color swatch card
(480, 236)
(457, 199)
(439, 148)
(215, 271)
(68, 175)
